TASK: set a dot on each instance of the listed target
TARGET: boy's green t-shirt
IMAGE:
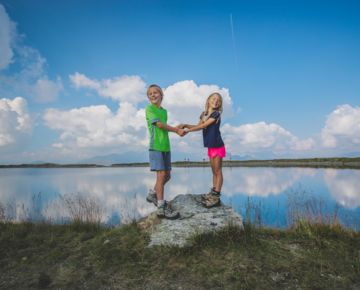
(159, 138)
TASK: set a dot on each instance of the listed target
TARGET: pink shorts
(221, 152)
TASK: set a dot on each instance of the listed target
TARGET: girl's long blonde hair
(205, 115)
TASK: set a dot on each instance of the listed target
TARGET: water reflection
(121, 191)
(344, 186)
(263, 181)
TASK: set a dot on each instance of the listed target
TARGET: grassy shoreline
(335, 162)
(86, 256)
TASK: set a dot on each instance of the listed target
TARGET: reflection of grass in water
(302, 208)
(2, 213)
(305, 208)
(253, 213)
(82, 209)
(18, 212)
(76, 209)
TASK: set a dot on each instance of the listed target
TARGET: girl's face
(215, 102)
(154, 96)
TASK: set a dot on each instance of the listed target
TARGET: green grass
(86, 256)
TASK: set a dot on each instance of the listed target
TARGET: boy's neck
(156, 105)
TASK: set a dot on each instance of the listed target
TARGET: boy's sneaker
(167, 212)
(211, 201)
(151, 197)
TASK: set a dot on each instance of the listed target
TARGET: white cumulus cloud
(130, 89)
(97, 127)
(14, 120)
(46, 91)
(342, 128)
(185, 100)
(250, 138)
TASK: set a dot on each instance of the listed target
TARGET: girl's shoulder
(215, 115)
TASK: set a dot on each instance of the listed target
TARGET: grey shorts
(159, 160)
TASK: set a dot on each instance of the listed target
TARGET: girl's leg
(216, 166)
(213, 171)
(213, 198)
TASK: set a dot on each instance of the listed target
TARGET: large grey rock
(194, 219)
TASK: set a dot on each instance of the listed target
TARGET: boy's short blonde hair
(156, 87)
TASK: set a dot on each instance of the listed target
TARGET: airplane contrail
(234, 42)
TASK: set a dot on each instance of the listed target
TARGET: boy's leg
(161, 179)
(168, 176)
(152, 195)
(160, 162)
(164, 210)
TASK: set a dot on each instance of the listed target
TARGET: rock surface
(194, 219)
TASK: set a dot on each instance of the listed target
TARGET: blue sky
(73, 76)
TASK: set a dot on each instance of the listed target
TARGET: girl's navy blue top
(211, 134)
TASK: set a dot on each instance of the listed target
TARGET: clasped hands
(182, 132)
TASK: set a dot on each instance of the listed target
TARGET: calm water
(266, 195)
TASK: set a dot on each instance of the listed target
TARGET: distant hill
(136, 157)
(38, 162)
(129, 157)
(265, 155)
(239, 157)
(352, 154)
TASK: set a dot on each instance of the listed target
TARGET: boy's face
(154, 96)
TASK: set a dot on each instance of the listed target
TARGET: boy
(159, 151)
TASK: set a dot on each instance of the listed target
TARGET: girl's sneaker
(151, 197)
(211, 201)
(209, 194)
(167, 212)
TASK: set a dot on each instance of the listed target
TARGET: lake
(267, 196)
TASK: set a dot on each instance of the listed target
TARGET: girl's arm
(190, 126)
(169, 128)
(201, 125)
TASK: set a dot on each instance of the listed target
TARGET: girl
(210, 124)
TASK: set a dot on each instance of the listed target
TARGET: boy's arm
(169, 128)
(155, 120)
